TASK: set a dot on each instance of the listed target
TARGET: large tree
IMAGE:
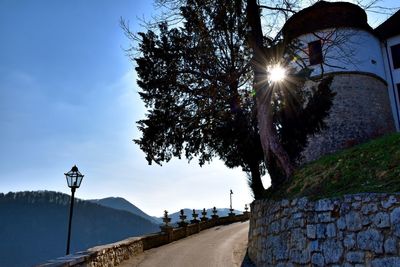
(203, 84)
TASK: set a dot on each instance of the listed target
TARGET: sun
(276, 73)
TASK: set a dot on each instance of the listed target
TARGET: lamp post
(231, 209)
(230, 196)
(74, 179)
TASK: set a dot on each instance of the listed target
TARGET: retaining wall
(113, 254)
(354, 230)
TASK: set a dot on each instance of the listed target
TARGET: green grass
(369, 167)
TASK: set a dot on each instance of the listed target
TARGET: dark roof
(390, 27)
(324, 15)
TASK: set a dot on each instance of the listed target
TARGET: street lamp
(230, 196)
(74, 180)
(231, 209)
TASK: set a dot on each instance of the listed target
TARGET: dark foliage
(197, 85)
(298, 120)
(194, 82)
(299, 114)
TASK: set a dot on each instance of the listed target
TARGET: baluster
(246, 212)
(195, 215)
(204, 218)
(182, 223)
(166, 228)
(166, 219)
(214, 211)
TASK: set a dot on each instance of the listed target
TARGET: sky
(68, 95)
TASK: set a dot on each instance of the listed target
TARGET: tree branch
(282, 9)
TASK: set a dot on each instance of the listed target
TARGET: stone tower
(335, 39)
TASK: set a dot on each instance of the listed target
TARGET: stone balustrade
(354, 230)
(113, 254)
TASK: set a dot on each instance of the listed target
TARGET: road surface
(215, 247)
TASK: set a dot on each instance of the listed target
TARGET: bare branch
(278, 9)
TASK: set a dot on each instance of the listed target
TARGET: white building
(389, 34)
(334, 39)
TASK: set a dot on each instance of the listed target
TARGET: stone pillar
(246, 212)
(214, 216)
(166, 228)
(183, 222)
(195, 215)
(195, 220)
(231, 213)
(204, 218)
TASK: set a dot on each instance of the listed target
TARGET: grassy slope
(370, 167)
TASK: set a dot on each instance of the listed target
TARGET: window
(398, 93)
(396, 56)
(315, 52)
(397, 99)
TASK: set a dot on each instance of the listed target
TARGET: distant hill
(120, 203)
(188, 212)
(33, 226)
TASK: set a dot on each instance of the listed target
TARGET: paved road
(216, 247)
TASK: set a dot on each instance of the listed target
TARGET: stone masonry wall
(354, 230)
(361, 111)
(113, 254)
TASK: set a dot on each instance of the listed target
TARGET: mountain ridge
(33, 227)
(123, 204)
(120, 203)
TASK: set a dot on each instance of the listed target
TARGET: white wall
(345, 50)
(348, 50)
(392, 77)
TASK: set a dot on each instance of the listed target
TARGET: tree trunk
(256, 182)
(268, 134)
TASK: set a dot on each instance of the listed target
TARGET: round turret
(335, 39)
(324, 15)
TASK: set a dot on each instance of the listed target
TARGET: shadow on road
(247, 262)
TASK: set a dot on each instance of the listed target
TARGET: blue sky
(68, 96)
